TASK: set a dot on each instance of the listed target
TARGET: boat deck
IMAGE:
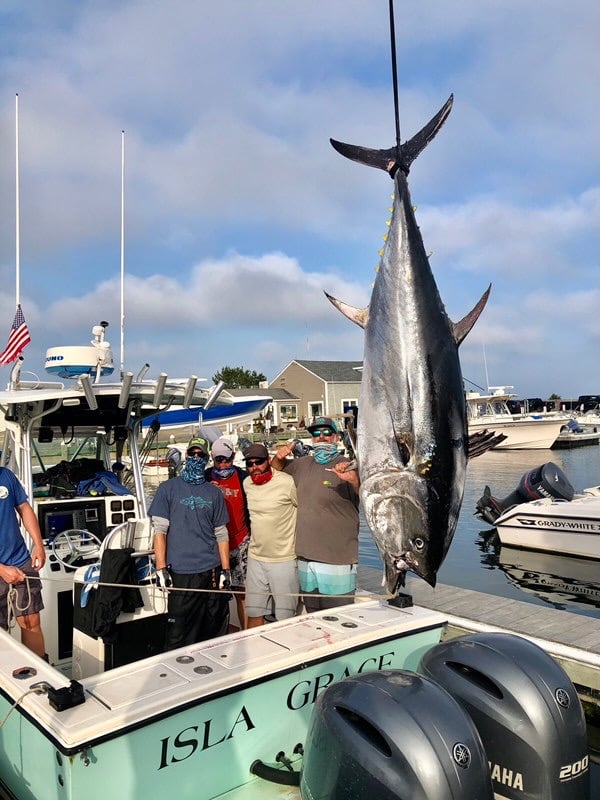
(563, 629)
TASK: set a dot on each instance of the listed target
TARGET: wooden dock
(563, 629)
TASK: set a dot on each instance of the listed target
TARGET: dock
(572, 639)
(567, 439)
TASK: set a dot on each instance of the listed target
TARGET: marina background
(475, 559)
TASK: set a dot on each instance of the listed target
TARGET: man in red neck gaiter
(272, 576)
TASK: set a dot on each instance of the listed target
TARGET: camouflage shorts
(28, 599)
(238, 560)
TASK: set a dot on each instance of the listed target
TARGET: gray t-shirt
(194, 511)
(327, 522)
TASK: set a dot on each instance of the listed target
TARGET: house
(316, 388)
(272, 415)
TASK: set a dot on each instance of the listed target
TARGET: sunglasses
(196, 454)
(322, 432)
(254, 462)
(221, 459)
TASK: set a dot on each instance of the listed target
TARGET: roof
(276, 394)
(334, 371)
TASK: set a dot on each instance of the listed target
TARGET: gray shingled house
(318, 388)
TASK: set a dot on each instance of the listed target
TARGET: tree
(238, 377)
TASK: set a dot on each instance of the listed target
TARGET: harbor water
(477, 561)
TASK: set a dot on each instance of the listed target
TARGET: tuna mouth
(405, 562)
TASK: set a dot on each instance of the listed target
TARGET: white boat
(545, 513)
(240, 717)
(571, 527)
(523, 431)
(589, 420)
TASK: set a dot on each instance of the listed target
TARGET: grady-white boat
(545, 513)
(373, 699)
(522, 431)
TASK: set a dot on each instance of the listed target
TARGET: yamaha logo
(462, 755)
(562, 698)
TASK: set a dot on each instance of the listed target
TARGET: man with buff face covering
(272, 575)
(327, 527)
(191, 550)
(229, 479)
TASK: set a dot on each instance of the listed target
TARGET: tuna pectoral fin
(462, 328)
(393, 158)
(357, 315)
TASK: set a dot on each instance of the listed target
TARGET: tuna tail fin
(462, 328)
(357, 315)
(397, 157)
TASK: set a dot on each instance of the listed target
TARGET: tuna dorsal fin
(462, 328)
(390, 159)
(357, 315)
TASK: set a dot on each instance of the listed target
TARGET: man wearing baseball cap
(191, 550)
(229, 478)
(327, 527)
(272, 575)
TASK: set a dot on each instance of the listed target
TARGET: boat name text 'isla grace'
(204, 735)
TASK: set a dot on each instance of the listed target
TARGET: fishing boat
(545, 513)
(522, 431)
(239, 716)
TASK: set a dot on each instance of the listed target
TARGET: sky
(238, 212)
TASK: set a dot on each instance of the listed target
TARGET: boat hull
(530, 434)
(571, 528)
(199, 717)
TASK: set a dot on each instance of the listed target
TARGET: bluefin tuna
(412, 439)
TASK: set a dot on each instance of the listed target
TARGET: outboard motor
(546, 481)
(526, 710)
(392, 735)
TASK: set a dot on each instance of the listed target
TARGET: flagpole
(122, 253)
(17, 207)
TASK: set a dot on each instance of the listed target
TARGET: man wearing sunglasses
(272, 576)
(191, 550)
(327, 527)
(229, 479)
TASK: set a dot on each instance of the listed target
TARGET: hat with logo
(323, 422)
(198, 444)
(256, 451)
(222, 447)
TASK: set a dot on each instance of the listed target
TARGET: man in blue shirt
(191, 550)
(19, 570)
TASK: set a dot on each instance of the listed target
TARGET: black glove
(225, 579)
(163, 578)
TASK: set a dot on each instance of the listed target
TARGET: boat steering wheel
(73, 544)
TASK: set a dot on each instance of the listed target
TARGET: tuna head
(398, 507)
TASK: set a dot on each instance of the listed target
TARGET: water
(476, 560)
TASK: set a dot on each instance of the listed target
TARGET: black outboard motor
(392, 735)
(526, 711)
(545, 481)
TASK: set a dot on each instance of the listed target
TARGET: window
(289, 413)
(315, 410)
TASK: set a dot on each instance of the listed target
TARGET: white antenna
(487, 380)
(17, 205)
(122, 253)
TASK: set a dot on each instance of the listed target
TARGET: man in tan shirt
(272, 575)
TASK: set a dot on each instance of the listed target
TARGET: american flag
(18, 339)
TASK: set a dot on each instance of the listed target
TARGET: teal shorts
(326, 578)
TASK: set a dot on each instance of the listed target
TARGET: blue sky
(238, 211)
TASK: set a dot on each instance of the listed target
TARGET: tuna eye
(419, 543)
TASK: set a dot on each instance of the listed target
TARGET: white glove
(163, 578)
